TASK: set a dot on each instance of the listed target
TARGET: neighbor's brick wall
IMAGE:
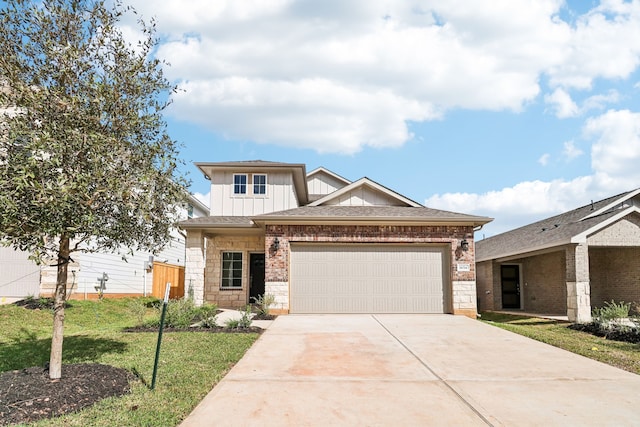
(544, 288)
(463, 294)
(484, 285)
(615, 274)
(229, 298)
(625, 232)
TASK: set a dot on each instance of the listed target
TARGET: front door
(510, 278)
(256, 276)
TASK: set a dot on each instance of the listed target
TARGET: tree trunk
(55, 360)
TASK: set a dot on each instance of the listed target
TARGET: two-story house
(323, 244)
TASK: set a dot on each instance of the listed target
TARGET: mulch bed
(613, 332)
(219, 329)
(29, 395)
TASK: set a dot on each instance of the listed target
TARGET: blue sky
(513, 109)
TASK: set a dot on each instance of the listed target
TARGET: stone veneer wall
(229, 298)
(463, 282)
(194, 268)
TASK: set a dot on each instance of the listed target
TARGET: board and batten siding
(322, 183)
(280, 195)
(19, 276)
(364, 196)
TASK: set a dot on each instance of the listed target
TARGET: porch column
(195, 265)
(577, 279)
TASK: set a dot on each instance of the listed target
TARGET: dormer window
(240, 184)
(259, 184)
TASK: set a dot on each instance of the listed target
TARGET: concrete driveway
(390, 370)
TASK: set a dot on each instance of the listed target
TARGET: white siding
(280, 195)
(368, 279)
(19, 276)
(125, 277)
(364, 196)
(322, 183)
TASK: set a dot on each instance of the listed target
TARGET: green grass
(615, 353)
(191, 363)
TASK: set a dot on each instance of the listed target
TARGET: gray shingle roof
(554, 231)
(375, 212)
(217, 221)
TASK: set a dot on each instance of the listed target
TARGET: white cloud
(565, 107)
(605, 43)
(356, 73)
(570, 150)
(544, 159)
(337, 76)
(616, 150)
(615, 154)
(562, 103)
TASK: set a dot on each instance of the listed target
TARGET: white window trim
(266, 182)
(246, 185)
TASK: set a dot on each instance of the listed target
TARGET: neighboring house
(565, 264)
(141, 274)
(19, 276)
(323, 244)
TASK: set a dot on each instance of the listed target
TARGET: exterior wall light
(464, 245)
(276, 245)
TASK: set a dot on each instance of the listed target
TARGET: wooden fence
(167, 273)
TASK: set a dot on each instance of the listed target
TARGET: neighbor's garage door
(368, 279)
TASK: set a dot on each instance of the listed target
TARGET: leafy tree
(86, 163)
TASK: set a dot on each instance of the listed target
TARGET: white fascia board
(361, 182)
(328, 172)
(582, 237)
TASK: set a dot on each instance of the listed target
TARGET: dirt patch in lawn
(29, 395)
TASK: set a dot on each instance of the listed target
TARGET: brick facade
(463, 283)
(543, 284)
(615, 275)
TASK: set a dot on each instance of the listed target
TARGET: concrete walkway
(390, 370)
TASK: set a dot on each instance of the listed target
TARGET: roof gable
(617, 202)
(297, 171)
(569, 227)
(365, 192)
(321, 182)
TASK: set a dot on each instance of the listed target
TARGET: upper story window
(240, 184)
(190, 211)
(259, 184)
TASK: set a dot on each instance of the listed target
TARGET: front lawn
(557, 333)
(191, 363)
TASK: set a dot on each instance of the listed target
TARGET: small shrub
(207, 314)
(137, 308)
(611, 312)
(264, 303)
(243, 322)
(181, 313)
(152, 302)
(245, 317)
(232, 323)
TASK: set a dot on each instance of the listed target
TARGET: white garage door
(368, 279)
